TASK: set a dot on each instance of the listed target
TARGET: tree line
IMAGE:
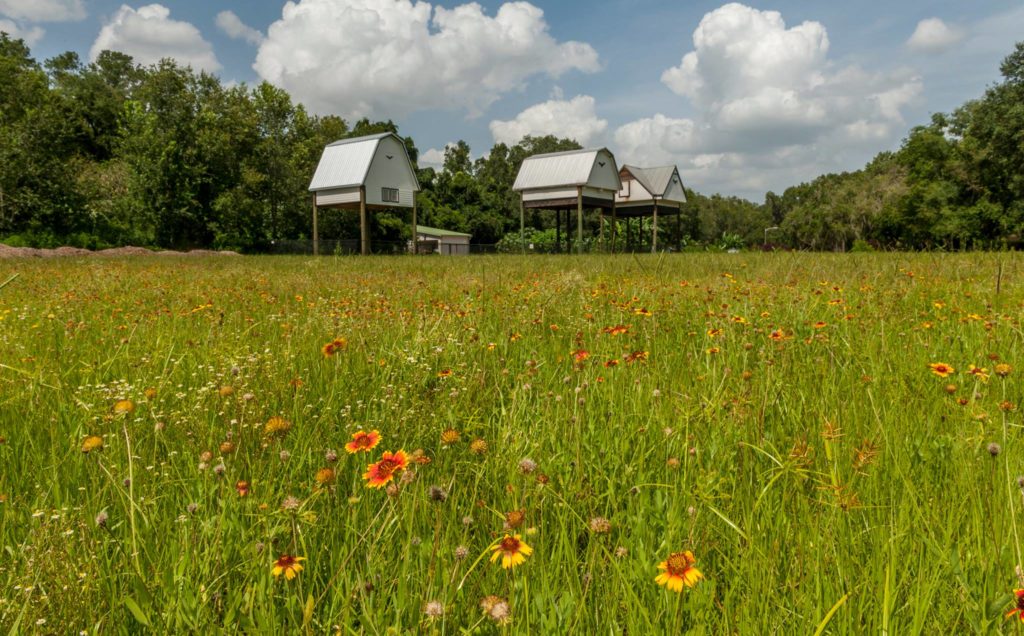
(113, 153)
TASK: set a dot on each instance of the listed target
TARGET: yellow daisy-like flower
(325, 476)
(123, 407)
(287, 565)
(511, 550)
(678, 571)
(276, 426)
(941, 369)
(450, 436)
(91, 443)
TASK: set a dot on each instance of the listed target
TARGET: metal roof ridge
(567, 152)
(355, 140)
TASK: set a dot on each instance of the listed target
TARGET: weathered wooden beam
(316, 233)
(364, 230)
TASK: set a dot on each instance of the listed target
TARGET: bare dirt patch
(7, 251)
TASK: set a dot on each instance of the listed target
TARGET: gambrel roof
(346, 162)
(591, 167)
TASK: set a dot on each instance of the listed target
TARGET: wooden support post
(316, 233)
(558, 231)
(679, 229)
(415, 233)
(654, 229)
(615, 228)
(364, 230)
(522, 224)
(579, 219)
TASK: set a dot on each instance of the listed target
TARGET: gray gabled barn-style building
(364, 173)
(650, 192)
(576, 179)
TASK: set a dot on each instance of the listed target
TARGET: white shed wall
(604, 176)
(337, 196)
(390, 173)
(599, 194)
(549, 193)
(675, 191)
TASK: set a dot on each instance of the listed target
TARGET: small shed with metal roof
(439, 241)
(575, 179)
(364, 173)
(650, 192)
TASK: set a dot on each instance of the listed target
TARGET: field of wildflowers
(706, 444)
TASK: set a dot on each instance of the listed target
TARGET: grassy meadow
(174, 433)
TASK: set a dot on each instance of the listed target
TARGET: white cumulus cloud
(575, 119)
(767, 96)
(234, 28)
(43, 10)
(932, 35)
(387, 58)
(149, 34)
(434, 157)
(31, 36)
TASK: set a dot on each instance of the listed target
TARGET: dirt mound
(7, 251)
(125, 251)
(17, 252)
(71, 251)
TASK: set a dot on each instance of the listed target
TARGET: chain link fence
(347, 247)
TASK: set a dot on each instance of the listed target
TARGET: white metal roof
(570, 168)
(345, 162)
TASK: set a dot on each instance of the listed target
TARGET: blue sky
(769, 94)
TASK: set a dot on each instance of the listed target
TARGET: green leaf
(136, 611)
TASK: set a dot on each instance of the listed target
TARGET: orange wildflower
(377, 475)
(333, 347)
(941, 369)
(123, 407)
(642, 311)
(580, 355)
(325, 476)
(636, 355)
(1018, 608)
(242, 487)
(678, 571)
(288, 565)
(444, 373)
(91, 443)
(617, 330)
(978, 372)
(363, 441)
(511, 550)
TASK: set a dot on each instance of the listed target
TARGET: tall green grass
(826, 481)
